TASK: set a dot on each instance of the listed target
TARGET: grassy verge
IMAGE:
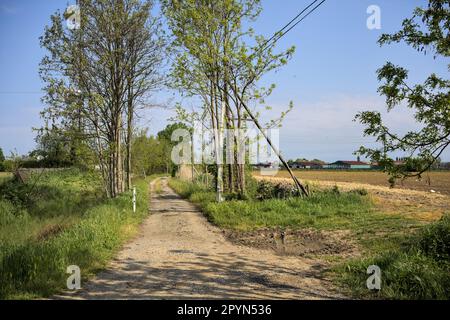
(420, 269)
(414, 258)
(324, 210)
(4, 176)
(65, 221)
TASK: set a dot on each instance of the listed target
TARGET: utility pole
(302, 190)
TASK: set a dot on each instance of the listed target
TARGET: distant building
(444, 165)
(307, 165)
(266, 165)
(344, 164)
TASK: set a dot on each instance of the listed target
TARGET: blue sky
(331, 77)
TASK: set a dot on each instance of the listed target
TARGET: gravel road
(178, 254)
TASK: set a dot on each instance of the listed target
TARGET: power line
(286, 26)
(295, 24)
(279, 34)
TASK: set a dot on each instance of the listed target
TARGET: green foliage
(220, 60)
(57, 148)
(38, 243)
(418, 270)
(70, 189)
(10, 213)
(427, 31)
(323, 210)
(186, 189)
(435, 240)
(151, 154)
(166, 133)
(8, 165)
(2, 159)
(281, 190)
(404, 275)
(95, 77)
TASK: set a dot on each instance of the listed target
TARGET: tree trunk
(128, 141)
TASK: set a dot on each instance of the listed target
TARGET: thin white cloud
(325, 129)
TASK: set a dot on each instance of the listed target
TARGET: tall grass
(5, 176)
(329, 209)
(47, 202)
(90, 230)
(420, 269)
(414, 260)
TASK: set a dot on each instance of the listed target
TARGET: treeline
(150, 155)
(98, 77)
(220, 61)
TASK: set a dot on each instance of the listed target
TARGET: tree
(149, 154)
(215, 62)
(2, 159)
(98, 75)
(427, 32)
(165, 139)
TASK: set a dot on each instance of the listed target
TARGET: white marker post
(134, 199)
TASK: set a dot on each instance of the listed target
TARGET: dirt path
(178, 254)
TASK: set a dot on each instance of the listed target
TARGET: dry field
(412, 198)
(438, 181)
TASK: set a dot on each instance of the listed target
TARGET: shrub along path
(178, 254)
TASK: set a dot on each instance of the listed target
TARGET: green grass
(414, 259)
(324, 210)
(157, 186)
(65, 222)
(49, 201)
(420, 269)
(5, 176)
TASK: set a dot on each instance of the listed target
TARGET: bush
(434, 240)
(15, 192)
(268, 190)
(9, 165)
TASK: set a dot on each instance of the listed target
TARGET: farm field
(413, 199)
(438, 181)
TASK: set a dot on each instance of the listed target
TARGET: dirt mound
(296, 242)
